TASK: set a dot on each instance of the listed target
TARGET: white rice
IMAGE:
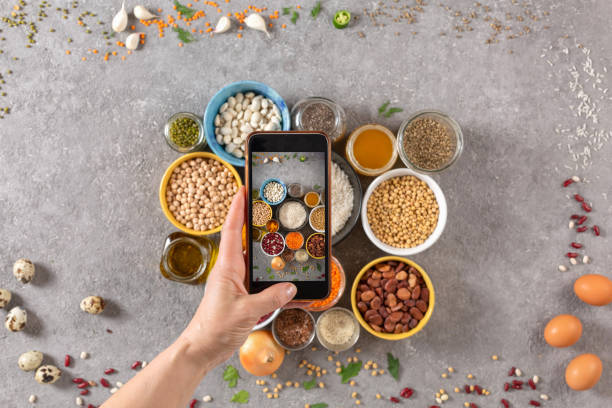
(341, 198)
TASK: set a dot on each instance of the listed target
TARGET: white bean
(237, 140)
(255, 105)
(227, 139)
(239, 97)
(255, 117)
(265, 104)
(240, 114)
(226, 130)
(230, 147)
(223, 107)
(243, 136)
(217, 131)
(238, 153)
(276, 111)
(217, 120)
(220, 139)
(238, 107)
(227, 117)
(247, 115)
(231, 101)
(269, 126)
(234, 122)
(249, 95)
(246, 128)
(245, 104)
(234, 132)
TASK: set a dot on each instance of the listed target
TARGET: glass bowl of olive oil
(188, 259)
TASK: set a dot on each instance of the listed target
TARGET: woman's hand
(227, 312)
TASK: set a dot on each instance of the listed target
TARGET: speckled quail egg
(47, 374)
(16, 319)
(5, 298)
(24, 270)
(30, 360)
(92, 304)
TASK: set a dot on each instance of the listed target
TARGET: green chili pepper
(342, 18)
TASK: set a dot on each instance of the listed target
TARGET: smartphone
(287, 176)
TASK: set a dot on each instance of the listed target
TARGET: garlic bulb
(257, 22)
(132, 40)
(223, 25)
(141, 13)
(120, 20)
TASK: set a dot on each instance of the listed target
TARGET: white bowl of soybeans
(404, 212)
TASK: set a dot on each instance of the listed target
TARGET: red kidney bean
(506, 387)
(478, 389)
(534, 403)
(91, 406)
(575, 216)
(78, 380)
(596, 230)
(193, 403)
(136, 364)
(582, 219)
(531, 384)
(109, 371)
(586, 207)
(576, 245)
(467, 389)
(83, 385)
(512, 372)
(572, 255)
(394, 399)
(104, 382)
(567, 182)
(581, 229)
(505, 403)
(579, 198)
(67, 361)
(406, 392)
(84, 392)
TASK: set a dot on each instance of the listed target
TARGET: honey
(188, 259)
(373, 149)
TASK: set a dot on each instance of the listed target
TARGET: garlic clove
(141, 13)
(223, 25)
(132, 40)
(257, 22)
(120, 20)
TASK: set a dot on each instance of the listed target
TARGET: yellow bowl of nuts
(196, 192)
(404, 212)
(393, 298)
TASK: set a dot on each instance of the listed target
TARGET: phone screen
(288, 212)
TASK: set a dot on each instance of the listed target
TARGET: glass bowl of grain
(320, 115)
(429, 141)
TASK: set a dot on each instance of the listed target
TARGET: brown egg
(583, 372)
(594, 289)
(563, 331)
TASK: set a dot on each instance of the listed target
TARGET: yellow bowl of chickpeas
(196, 192)
(403, 212)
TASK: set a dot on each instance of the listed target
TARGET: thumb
(272, 298)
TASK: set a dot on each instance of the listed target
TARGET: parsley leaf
(305, 268)
(393, 366)
(350, 371)
(294, 17)
(316, 10)
(184, 35)
(184, 10)
(391, 111)
(319, 267)
(309, 384)
(319, 405)
(231, 376)
(316, 186)
(383, 107)
(241, 397)
(286, 10)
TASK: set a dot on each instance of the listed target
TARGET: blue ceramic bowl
(263, 185)
(221, 97)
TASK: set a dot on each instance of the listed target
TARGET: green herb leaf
(286, 10)
(393, 366)
(231, 376)
(294, 17)
(319, 267)
(319, 405)
(184, 35)
(316, 186)
(268, 269)
(255, 266)
(184, 10)
(383, 107)
(294, 155)
(271, 277)
(316, 10)
(241, 397)
(309, 384)
(392, 111)
(350, 371)
(305, 268)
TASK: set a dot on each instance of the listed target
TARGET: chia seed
(319, 117)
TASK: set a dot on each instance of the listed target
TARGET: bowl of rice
(346, 196)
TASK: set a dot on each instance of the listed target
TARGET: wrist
(193, 354)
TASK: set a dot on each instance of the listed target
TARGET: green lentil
(184, 132)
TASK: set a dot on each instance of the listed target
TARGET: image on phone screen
(289, 214)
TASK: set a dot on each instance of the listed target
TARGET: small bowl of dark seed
(429, 141)
(184, 133)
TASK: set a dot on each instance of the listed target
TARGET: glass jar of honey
(188, 259)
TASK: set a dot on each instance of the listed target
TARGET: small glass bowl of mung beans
(184, 132)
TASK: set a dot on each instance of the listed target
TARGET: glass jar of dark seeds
(429, 141)
(184, 132)
(319, 115)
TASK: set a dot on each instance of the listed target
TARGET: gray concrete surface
(82, 153)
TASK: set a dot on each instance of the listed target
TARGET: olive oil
(188, 259)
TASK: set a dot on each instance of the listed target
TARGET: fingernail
(291, 290)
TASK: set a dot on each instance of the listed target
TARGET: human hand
(227, 312)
